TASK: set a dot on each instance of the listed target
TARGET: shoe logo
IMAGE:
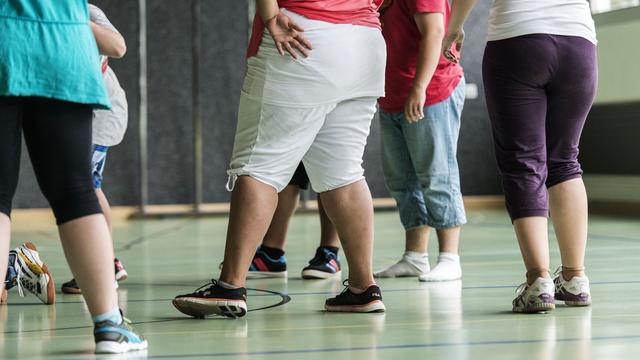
(375, 295)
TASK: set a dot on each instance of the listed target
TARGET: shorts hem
(563, 179)
(350, 182)
(234, 175)
(529, 213)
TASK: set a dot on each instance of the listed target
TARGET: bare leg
(449, 240)
(106, 208)
(253, 204)
(350, 208)
(86, 241)
(534, 245)
(276, 236)
(568, 203)
(5, 239)
(417, 239)
(328, 234)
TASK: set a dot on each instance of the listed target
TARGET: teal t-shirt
(47, 49)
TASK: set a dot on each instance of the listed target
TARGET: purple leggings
(539, 89)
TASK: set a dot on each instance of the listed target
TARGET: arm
(286, 34)
(455, 33)
(431, 26)
(109, 42)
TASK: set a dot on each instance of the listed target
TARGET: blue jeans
(420, 165)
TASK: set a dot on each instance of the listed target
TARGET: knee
(71, 200)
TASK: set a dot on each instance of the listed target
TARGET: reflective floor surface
(468, 319)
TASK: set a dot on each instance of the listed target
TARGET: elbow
(120, 50)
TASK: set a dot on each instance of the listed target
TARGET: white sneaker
(32, 274)
(447, 269)
(407, 266)
(574, 292)
(534, 298)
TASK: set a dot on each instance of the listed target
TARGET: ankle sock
(113, 316)
(333, 249)
(227, 285)
(447, 269)
(412, 264)
(273, 253)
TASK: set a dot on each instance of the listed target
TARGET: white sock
(412, 264)
(227, 285)
(447, 269)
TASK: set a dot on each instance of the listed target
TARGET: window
(600, 6)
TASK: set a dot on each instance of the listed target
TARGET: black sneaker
(369, 301)
(324, 265)
(213, 299)
(264, 266)
(71, 287)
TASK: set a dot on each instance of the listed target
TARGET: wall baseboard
(599, 205)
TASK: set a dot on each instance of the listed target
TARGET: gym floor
(470, 319)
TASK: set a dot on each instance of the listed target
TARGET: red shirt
(403, 43)
(355, 12)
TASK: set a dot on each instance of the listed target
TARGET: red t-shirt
(355, 12)
(403, 43)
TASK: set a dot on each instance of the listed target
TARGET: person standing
(540, 76)
(109, 126)
(49, 85)
(419, 124)
(314, 105)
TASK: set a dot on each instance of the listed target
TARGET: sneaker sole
(317, 274)
(199, 308)
(122, 275)
(112, 347)
(375, 306)
(266, 274)
(538, 308)
(51, 287)
(578, 303)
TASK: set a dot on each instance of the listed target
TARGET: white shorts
(317, 110)
(271, 140)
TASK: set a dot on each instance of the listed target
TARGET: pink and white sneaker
(574, 292)
(535, 298)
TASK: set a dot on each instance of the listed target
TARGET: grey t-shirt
(109, 126)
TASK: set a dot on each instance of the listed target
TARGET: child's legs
(334, 165)
(58, 136)
(276, 235)
(515, 80)
(98, 162)
(269, 144)
(571, 94)
(432, 144)
(11, 112)
(402, 183)
(328, 233)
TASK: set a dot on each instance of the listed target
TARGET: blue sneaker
(114, 338)
(323, 266)
(263, 266)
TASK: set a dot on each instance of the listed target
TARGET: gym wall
(170, 135)
(610, 147)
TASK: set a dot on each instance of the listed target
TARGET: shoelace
(558, 274)
(520, 289)
(206, 287)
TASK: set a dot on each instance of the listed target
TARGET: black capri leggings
(58, 137)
